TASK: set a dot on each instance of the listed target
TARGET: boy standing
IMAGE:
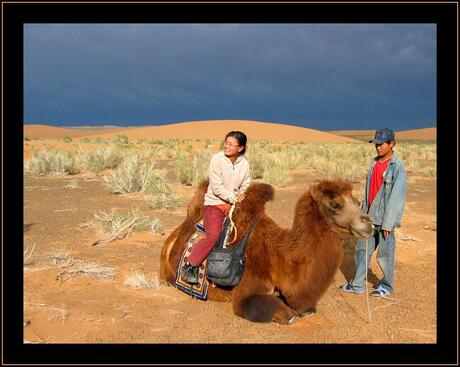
(384, 201)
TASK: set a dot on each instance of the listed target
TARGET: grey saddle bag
(226, 265)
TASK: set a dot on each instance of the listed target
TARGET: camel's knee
(284, 314)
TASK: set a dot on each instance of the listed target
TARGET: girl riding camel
(229, 177)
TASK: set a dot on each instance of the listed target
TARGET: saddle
(199, 290)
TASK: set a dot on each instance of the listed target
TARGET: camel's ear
(321, 191)
(323, 195)
(315, 192)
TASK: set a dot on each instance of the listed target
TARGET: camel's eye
(335, 205)
(355, 201)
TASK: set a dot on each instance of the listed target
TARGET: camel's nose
(365, 219)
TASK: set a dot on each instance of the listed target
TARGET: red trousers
(213, 218)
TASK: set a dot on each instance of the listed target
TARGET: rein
(232, 225)
(369, 316)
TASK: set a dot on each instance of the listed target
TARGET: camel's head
(340, 209)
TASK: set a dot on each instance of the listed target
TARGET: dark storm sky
(322, 76)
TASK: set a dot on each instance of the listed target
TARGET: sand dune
(53, 132)
(416, 134)
(214, 129)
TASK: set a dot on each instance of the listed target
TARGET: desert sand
(216, 129)
(61, 307)
(54, 132)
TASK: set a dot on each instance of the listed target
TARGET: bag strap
(241, 246)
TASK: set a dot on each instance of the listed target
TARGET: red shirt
(377, 179)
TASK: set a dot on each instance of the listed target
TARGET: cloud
(319, 75)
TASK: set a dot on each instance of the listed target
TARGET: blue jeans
(385, 259)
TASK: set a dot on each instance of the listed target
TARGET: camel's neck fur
(314, 250)
(308, 224)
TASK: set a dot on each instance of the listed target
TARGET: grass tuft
(133, 175)
(50, 161)
(192, 169)
(100, 159)
(166, 201)
(138, 280)
(29, 256)
(119, 225)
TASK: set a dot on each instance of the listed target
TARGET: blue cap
(382, 135)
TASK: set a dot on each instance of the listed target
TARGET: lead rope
(232, 225)
(369, 317)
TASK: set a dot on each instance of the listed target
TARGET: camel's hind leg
(256, 302)
(167, 270)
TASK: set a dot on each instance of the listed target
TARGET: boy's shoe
(348, 288)
(189, 273)
(380, 291)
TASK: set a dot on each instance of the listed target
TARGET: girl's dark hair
(240, 137)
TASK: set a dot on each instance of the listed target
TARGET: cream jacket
(226, 181)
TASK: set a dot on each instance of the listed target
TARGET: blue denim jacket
(388, 205)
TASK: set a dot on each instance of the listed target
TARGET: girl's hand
(241, 198)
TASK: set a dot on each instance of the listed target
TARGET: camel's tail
(258, 307)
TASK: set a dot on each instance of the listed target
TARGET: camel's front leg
(303, 303)
(254, 300)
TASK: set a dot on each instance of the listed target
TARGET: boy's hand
(241, 198)
(386, 234)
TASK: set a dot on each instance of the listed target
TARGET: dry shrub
(100, 159)
(192, 169)
(92, 269)
(138, 280)
(276, 172)
(119, 225)
(133, 175)
(29, 256)
(166, 201)
(69, 266)
(51, 161)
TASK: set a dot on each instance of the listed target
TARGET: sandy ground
(65, 307)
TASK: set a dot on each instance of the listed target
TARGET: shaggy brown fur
(287, 270)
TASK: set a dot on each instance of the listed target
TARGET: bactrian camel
(287, 270)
